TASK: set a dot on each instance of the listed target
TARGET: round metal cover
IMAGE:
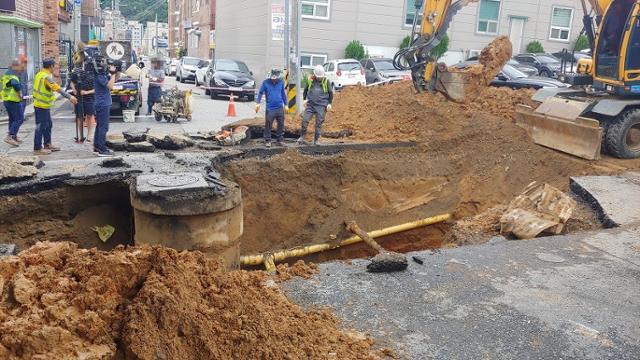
(173, 180)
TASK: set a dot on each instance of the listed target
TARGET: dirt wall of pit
(67, 213)
(293, 199)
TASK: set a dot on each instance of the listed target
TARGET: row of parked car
(221, 77)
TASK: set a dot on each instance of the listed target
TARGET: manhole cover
(173, 180)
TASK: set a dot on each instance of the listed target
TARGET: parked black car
(526, 69)
(225, 76)
(516, 79)
(547, 65)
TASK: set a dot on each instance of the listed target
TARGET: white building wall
(244, 29)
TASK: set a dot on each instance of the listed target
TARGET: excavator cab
(617, 50)
(604, 115)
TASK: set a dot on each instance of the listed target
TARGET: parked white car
(202, 71)
(186, 69)
(344, 72)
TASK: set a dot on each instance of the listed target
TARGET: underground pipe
(281, 255)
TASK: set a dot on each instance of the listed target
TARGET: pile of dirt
(59, 302)
(299, 269)
(396, 113)
(491, 61)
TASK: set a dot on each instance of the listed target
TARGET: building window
(195, 6)
(410, 12)
(315, 9)
(311, 60)
(561, 19)
(488, 16)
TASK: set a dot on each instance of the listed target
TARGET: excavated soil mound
(396, 113)
(59, 302)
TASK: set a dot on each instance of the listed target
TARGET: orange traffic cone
(231, 112)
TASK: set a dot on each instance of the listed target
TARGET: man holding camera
(43, 99)
(103, 85)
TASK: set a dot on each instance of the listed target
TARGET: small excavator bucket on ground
(558, 123)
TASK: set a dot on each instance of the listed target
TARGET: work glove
(329, 107)
(304, 103)
(286, 108)
(257, 108)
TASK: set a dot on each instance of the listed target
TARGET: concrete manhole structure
(185, 212)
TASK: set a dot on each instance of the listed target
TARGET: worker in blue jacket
(12, 98)
(276, 106)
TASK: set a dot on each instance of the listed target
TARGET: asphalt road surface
(208, 115)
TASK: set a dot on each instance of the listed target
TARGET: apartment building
(91, 19)
(192, 25)
(248, 31)
(134, 33)
(151, 30)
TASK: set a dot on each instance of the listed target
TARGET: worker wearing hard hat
(276, 97)
(43, 99)
(12, 98)
(318, 97)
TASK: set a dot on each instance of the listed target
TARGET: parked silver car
(186, 69)
(382, 70)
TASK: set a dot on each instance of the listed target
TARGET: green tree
(535, 47)
(582, 42)
(355, 50)
(141, 10)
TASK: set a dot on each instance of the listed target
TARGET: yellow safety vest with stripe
(8, 92)
(43, 97)
(325, 85)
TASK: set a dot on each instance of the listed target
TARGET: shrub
(535, 47)
(582, 42)
(441, 49)
(355, 50)
(405, 42)
(437, 51)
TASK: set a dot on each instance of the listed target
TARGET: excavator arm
(436, 17)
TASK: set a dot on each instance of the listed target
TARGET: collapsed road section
(406, 157)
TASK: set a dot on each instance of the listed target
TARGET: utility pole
(156, 33)
(287, 32)
(297, 59)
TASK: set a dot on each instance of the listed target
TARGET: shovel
(385, 261)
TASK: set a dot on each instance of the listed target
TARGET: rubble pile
(146, 141)
(60, 302)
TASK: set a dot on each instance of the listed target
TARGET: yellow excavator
(600, 112)
(427, 75)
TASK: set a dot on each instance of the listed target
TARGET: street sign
(115, 51)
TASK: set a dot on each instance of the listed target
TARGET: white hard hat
(318, 71)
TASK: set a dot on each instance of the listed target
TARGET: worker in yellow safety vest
(317, 99)
(44, 87)
(12, 99)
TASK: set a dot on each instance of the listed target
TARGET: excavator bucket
(452, 85)
(558, 124)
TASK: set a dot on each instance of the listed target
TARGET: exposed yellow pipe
(271, 258)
